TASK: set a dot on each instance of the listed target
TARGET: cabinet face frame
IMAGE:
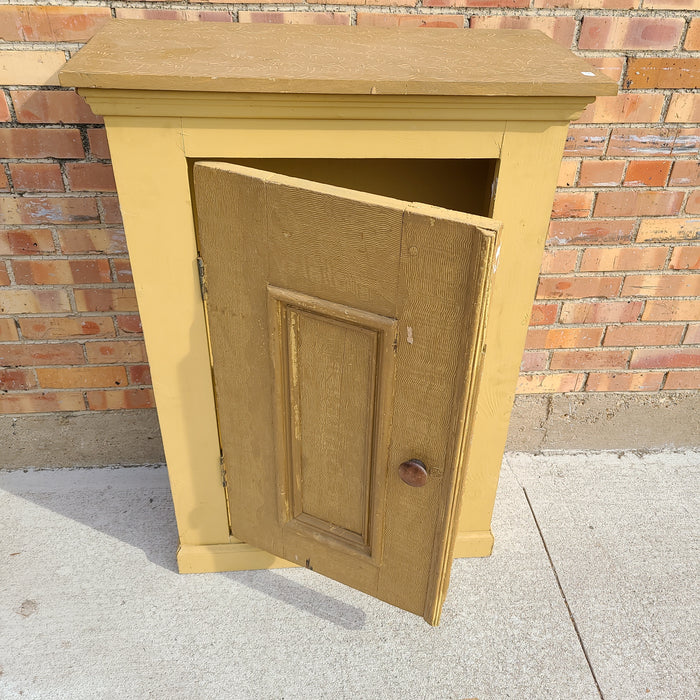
(150, 159)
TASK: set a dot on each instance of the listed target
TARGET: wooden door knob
(413, 472)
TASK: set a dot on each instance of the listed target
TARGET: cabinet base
(239, 556)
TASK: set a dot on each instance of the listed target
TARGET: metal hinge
(222, 467)
(202, 279)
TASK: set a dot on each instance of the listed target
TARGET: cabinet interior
(465, 185)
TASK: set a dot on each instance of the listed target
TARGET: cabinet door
(346, 333)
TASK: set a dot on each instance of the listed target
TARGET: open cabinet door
(346, 334)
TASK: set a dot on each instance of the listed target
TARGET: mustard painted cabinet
(335, 235)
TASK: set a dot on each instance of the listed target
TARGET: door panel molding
(331, 413)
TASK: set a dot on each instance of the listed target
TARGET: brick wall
(617, 307)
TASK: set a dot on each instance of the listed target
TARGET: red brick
(98, 143)
(318, 18)
(8, 329)
(672, 310)
(4, 277)
(45, 402)
(600, 312)
(668, 230)
(642, 33)
(44, 210)
(692, 336)
(630, 108)
(112, 299)
(612, 259)
(661, 285)
(589, 337)
(95, 177)
(32, 354)
(30, 67)
(685, 173)
(577, 287)
(690, 379)
(31, 23)
(187, 15)
(692, 38)
(52, 107)
(120, 398)
(25, 301)
(684, 108)
(81, 377)
(585, 142)
(17, 380)
(92, 240)
(57, 327)
(534, 361)
(671, 4)
(383, 3)
(589, 232)
(662, 73)
(634, 336)
(589, 4)
(561, 29)
(36, 177)
(638, 203)
(685, 258)
(686, 142)
(660, 358)
(40, 143)
(111, 212)
(129, 324)
(589, 359)
(624, 381)
(139, 375)
(549, 383)
(4, 183)
(601, 173)
(510, 4)
(642, 142)
(572, 204)
(612, 66)
(647, 173)
(26, 242)
(380, 19)
(62, 271)
(692, 206)
(4, 109)
(117, 351)
(122, 268)
(544, 314)
(558, 261)
(567, 173)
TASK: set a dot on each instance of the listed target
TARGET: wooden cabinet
(367, 210)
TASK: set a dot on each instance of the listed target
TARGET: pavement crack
(563, 595)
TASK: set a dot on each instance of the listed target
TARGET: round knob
(413, 472)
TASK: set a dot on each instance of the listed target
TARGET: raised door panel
(346, 334)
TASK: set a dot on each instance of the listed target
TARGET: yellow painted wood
(526, 182)
(158, 130)
(271, 58)
(154, 190)
(325, 138)
(352, 262)
(203, 105)
(234, 556)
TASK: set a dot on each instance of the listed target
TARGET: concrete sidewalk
(591, 592)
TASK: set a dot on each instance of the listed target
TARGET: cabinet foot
(235, 556)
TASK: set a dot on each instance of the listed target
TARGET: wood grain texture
(334, 372)
(426, 267)
(254, 58)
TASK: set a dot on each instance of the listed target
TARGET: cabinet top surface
(269, 58)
